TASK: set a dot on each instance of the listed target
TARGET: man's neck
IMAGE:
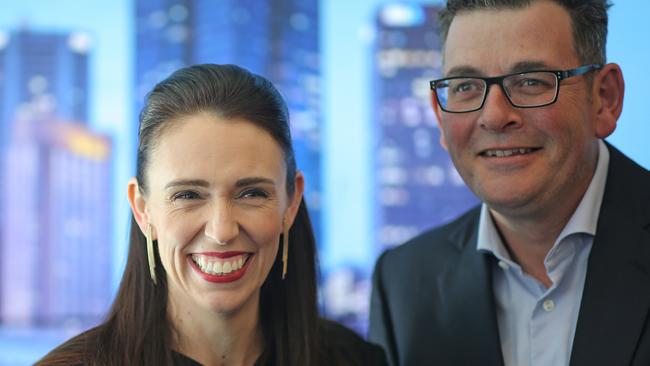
(529, 234)
(529, 241)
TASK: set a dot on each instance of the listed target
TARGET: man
(554, 267)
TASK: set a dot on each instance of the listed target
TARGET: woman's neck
(219, 339)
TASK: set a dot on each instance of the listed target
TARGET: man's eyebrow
(466, 70)
(529, 65)
(463, 70)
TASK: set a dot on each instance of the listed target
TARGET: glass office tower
(417, 186)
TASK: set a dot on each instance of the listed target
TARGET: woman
(221, 265)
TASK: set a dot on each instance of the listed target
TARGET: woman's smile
(220, 267)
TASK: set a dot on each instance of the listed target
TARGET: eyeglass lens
(528, 89)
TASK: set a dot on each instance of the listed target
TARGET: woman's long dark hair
(137, 330)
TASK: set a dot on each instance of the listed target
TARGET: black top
(338, 339)
(339, 345)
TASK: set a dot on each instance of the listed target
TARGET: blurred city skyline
(358, 182)
(346, 53)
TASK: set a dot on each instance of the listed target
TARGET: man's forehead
(502, 40)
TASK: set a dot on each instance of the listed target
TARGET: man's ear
(295, 199)
(607, 93)
(438, 113)
(138, 204)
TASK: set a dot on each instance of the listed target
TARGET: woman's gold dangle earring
(150, 255)
(285, 249)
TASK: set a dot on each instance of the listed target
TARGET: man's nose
(498, 114)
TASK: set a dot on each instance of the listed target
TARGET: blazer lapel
(466, 296)
(616, 297)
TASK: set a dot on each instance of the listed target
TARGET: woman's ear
(138, 204)
(607, 94)
(295, 199)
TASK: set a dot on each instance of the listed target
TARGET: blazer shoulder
(624, 169)
(445, 239)
(626, 188)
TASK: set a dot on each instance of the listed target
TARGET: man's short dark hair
(588, 18)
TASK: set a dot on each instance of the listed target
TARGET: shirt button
(504, 266)
(548, 305)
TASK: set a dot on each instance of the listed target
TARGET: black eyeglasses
(530, 89)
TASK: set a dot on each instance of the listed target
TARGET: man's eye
(185, 195)
(534, 83)
(530, 83)
(464, 87)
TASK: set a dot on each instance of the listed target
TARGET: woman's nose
(222, 226)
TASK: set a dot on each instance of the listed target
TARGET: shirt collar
(583, 220)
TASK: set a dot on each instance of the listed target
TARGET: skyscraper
(295, 70)
(277, 39)
(163, 43)
(45, 78)
(55, 249)
(46, 70)
(417, 184)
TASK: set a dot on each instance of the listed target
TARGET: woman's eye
(253, 194)
(185, 195)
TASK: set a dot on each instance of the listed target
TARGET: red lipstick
(222, 278)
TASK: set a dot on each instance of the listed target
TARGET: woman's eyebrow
(203, 183)
(253, 180)
(187, 182)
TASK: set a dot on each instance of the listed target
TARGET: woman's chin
(228, 303)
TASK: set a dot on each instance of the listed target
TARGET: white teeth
(506, 152)
(219, 266)
(227, 267)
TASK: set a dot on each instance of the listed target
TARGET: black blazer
(432, 300)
